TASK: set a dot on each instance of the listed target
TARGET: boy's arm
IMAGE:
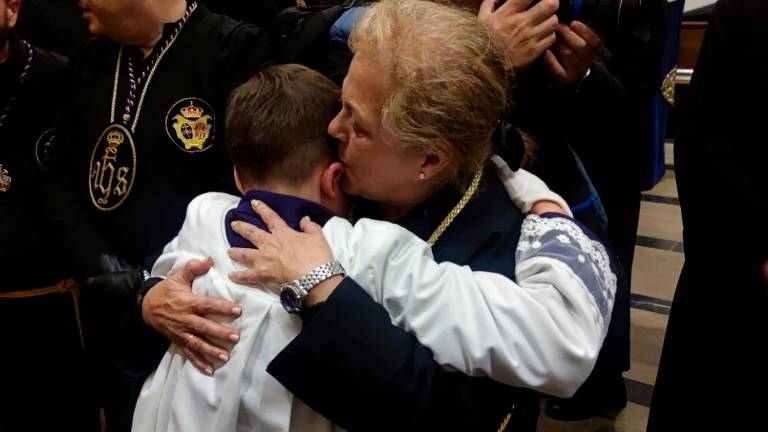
(543, 332)
(173, 258)
(141, 347)
(198, 235)
(167, 259)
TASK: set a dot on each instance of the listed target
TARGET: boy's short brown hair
(277, 122)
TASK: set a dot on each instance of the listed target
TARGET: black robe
(56, 25)
(259, 12)
(38, 374)
(713, 364)
(132, 206)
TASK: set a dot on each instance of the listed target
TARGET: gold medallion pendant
(5, 179)
(112, 168)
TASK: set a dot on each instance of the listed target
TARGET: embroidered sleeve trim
(562, 239)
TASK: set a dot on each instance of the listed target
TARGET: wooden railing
(691, 38)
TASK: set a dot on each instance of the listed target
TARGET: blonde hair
(447, 78)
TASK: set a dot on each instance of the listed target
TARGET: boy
(276, 135)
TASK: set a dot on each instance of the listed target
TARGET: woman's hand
(171, 309)
(282, 254)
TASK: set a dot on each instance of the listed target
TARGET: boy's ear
(238, 182)
(330, 181)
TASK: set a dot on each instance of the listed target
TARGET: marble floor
(657, 265)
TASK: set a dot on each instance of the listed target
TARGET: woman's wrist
(546, 206)
(323, 290)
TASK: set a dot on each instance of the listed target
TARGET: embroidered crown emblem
(115, 138)
(192, 112)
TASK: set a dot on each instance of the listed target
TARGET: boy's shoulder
(206, 212)
(212, 200)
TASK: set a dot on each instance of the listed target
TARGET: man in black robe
(713, 364)
(41, 369)
(142, 134)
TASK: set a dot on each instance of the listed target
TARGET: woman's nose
(336, 130)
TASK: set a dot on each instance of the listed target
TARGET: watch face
(290, 297)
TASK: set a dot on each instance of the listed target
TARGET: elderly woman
(420, 103)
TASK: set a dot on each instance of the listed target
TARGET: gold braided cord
(505, 423)
(456, 210)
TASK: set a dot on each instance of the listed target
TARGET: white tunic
(542, 332)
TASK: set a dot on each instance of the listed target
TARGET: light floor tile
(646, 339)
(669, 153)
(667, 186)
(661, 221)
(655, 272)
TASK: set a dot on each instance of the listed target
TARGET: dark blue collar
(290, 208)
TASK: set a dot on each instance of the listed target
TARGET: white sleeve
(167, 260)
(172, 259)
(543, 332)
(178, 251)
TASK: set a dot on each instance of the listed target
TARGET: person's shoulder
(336, 223)
(204, 222)
(379, 237)
(47, 70)
(211, 203)
(50, 60)
(226, 32)
(217, 23)
(234, 49)
(364, 228)
(343, 26)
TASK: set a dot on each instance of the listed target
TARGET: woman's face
(375, 168)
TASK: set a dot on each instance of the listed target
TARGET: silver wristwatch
(292, 294)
